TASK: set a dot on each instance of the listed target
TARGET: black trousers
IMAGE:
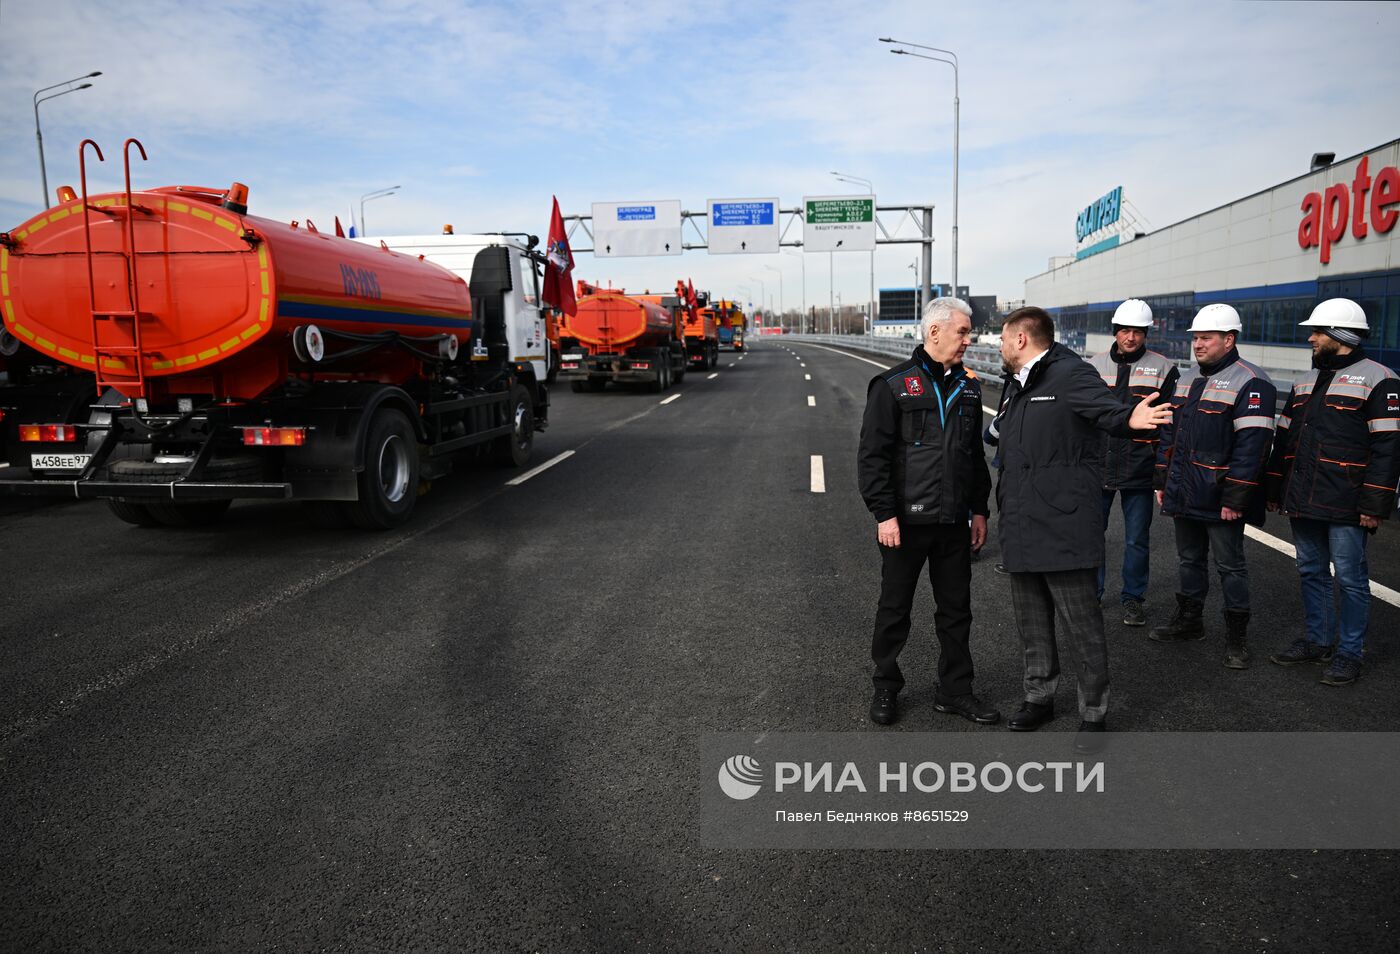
(947, 549)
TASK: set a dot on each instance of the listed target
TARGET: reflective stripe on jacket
(1337, 452)
(1213, 453)
(1129, 462)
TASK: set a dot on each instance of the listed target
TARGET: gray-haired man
(922, 473)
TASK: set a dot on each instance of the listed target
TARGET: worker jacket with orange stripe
(1337, 452)
(1213, 453)
(1129, 462)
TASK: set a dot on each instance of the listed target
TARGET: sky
(482, 111)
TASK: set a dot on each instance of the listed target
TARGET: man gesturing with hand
(923, 474)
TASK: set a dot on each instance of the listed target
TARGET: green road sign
(839, 211)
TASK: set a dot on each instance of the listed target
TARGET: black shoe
(882, 708)
(1343, 671)
(1302, 651)
(1090, 738)
(1001, 568)
(1185, 624)
(1133, 614)
(1031, 716)
(968, 706)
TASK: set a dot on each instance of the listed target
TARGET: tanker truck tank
(625, 339)
(238, 356)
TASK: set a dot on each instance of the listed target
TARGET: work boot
(1236, 650)
(1185, 624)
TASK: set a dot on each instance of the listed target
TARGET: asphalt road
(480, 732)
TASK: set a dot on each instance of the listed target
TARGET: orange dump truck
(625, 339)
(729, 316)
(241, 357)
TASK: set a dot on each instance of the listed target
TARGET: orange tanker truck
(241, 357)
(625, 339)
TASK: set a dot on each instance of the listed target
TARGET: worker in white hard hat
(1210, 468)
(1334, 470)
(1132, 372)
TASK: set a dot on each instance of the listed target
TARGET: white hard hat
(1338, 313)
(1133, 313)
(1217, 318)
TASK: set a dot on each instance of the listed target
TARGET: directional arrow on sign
(608, 249)
(668, 246)
(744, 245)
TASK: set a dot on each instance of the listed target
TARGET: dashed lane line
(818, 475)
(712, 376)
(806, 377)
(811, 400)
(673, 397)
(536, 471)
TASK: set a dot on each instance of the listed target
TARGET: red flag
(690, 293)
(559, 265)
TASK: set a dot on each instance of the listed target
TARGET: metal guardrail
(983, 359)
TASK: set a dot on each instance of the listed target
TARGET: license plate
(58, 461)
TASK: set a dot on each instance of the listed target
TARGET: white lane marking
(806, 377)
(811, 400)
(803, 364)
(730, 365)
(1379, 590)
(673, 397)
(709, 378)
(534, 471)
(818, 475)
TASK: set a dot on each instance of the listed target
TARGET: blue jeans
(1137, 522)
(1320, 543)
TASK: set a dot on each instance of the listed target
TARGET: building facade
(1272, 256)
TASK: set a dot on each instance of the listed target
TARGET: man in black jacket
(922, 473)
(1132, 371)
(1049, 506)
(1333, 471)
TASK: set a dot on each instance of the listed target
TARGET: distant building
(899, 310)
(1273, 255)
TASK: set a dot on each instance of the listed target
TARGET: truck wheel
(388, 484)
(188, 513)
(514, 450)
(133, 513)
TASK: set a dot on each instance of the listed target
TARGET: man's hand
(979, 531)
(1370, 523)
(888, 532)
(1227, 514)
(1145, 417)
(1159, 494)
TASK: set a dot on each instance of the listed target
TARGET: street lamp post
(802, 256)
(763, 298)
(860, 180)
(370, 196)
(782, 307)
(38, 133)
(954, 64)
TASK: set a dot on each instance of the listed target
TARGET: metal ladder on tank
(123, 327)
